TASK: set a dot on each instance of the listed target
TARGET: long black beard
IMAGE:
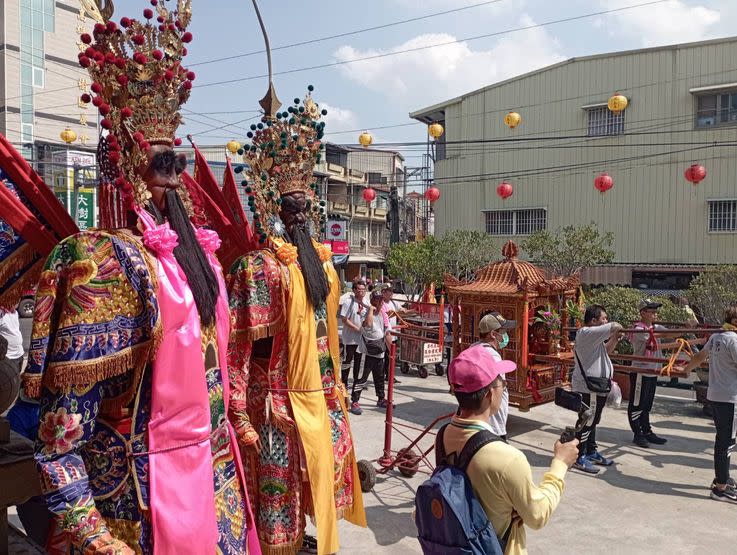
(191, 258)
(309, 262)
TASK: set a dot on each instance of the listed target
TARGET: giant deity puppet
(130, 333)
(286, 400)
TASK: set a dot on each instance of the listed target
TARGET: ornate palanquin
(517, 289)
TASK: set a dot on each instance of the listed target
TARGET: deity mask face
(293, 210)
(161, 173)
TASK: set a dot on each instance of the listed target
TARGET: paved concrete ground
(650, 501)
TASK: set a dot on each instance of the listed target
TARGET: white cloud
(674, 21)
(338, 118)
(433, 74)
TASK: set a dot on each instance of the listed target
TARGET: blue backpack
(449, 518)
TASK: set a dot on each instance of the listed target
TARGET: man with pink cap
(499, 473)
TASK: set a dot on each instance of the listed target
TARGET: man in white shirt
(353, 311)
(10, 330)
(721, 349)
(391, 308)
(493, 336)
(594, 342)
(642, 387)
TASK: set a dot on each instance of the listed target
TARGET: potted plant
(551, 319)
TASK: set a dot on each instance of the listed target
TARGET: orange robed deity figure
(286, 395)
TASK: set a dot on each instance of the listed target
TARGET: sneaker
(597, 458)
(383, 403)
(641, 441)
(730, 482)
(656, 439)
(729, 494)
(356, 408)
(584, 464)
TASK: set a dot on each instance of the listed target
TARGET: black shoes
(655, 439)
(645, 440)
(641, 441)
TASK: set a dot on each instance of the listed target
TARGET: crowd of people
(499, 474)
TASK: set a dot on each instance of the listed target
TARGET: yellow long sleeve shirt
(501, 479)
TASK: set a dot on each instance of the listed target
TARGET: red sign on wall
(340, 247)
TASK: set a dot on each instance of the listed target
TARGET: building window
(357, 234)
(26, 132)
(38, 78)
(603, 122)
(722, 216)
(516, 222)
(377, 235)
(716, 109)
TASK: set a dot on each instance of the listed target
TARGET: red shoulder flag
(230, 192)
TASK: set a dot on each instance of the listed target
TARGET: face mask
(504, 341)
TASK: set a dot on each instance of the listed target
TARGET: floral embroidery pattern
(60, 430)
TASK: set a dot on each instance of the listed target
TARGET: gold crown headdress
(138, 84)
(281, 160)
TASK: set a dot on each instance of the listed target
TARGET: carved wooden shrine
(518, 290)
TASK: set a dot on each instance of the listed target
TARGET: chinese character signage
(85, 214)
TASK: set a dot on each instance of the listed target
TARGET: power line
(420, 48)
(346, 34)
(527, 172)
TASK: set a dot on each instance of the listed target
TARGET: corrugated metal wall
(655, 214)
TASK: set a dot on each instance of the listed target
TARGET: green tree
(713, 291)
(463, 252)
(621, 305)
(569, 249)
(417, 264)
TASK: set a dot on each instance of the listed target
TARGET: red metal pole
(386, 459)
(441, 332)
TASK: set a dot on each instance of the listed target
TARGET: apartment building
(682, 110)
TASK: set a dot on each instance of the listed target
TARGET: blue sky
(381, 92)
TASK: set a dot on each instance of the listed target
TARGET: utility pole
(393, 215)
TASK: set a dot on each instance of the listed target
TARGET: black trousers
(642, 394)
(724, 420)
(375, 367)
(352, 356)
(587, 435)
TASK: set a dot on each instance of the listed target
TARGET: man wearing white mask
(493, 336)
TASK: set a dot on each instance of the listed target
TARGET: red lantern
(695, 173)
(369, 194)
(505, 190)
(603, 182)
(432, 194)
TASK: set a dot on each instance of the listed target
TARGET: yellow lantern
(617, 103)
(68, 136)
(365, 139)
(233, 146)
(512, 120)
(435, 130)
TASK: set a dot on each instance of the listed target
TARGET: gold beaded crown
(138, 83)
(281, 160)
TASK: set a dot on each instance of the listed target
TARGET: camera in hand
(572, 401)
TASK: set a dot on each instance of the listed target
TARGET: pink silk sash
(183, 514)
